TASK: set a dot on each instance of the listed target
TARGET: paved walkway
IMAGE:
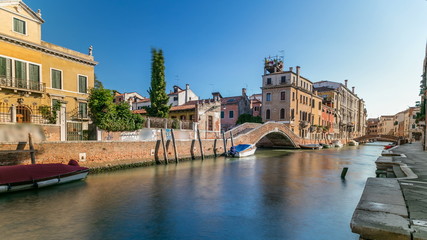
(395, 208)
(415, 190)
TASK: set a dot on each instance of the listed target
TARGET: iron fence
(16, 83)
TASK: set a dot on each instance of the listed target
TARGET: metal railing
(21, 84)
(24, 114)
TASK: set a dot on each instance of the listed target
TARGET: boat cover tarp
(242, 147)
(26, 173)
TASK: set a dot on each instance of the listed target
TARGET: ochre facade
(30, 67)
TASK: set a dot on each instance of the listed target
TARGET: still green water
(276, 194)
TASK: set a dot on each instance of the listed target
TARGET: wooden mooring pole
(344, 172)
(32, 151)
(225, 143)
(232, 140)
(165, 153)
(174, 147)
(214, 148)
(200, 143)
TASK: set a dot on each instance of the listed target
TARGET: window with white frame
(82, 84)
(56, 76)
(19, 26)
(268, 97)
(82, 110)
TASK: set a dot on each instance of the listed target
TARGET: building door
(74, 131)
(23, 114)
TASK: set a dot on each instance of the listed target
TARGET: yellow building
(34, 73)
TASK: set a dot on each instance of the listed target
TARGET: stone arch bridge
(270, 134)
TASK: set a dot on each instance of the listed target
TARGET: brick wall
(106, 154)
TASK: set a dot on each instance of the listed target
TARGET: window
(222, 114)
(268, 97)
(210, 123)
(34, 74)
(313, 104)
(293, 96)
(231, 114)
(82, 110)
(268, 81)
(292, 114)
(182, 117)
(282, 113)
(282, 95)
(56, 79)
(175, 98)
(5, 68)
(267, 114)
(283, 79)
(320, 105)
(191, 117)
(19, 26)
(21, 74)
(82, 84)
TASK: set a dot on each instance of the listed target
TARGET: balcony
(22, 85)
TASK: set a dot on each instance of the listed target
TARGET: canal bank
(395, 208)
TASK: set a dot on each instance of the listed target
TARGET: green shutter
(19, 26)
(82, 84)
(83, 110)
(3, 68)
(34, 72)
(56, 79)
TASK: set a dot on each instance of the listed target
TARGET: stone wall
(98, 154)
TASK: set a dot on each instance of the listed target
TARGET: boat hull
(44, 183)
(246, 153)
(311, 146)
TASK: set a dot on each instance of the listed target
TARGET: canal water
(276, 194)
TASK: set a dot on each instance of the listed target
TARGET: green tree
(98, 84)
(158, 97)
(109, 116)
(248, 118)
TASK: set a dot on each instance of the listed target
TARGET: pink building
(232, 108)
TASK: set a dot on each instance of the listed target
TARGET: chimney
(291, 69)
(346, 81)
(298, 72)
(243, 91)
(187, 86)
(352, 89)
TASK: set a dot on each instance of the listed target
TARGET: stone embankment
(394, 205)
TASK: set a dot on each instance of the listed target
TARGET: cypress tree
(158, 97)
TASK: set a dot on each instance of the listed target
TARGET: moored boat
(242, 150)
(311, 146)
(353, 143)
(337, 143)
(23, 177)
(325, 145)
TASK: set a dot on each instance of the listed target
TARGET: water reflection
(276, 194)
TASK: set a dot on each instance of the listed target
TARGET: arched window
(267, 114)
(282, 113)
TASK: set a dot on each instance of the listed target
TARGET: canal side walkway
(395, 208)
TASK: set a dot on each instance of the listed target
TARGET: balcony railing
(21, 84)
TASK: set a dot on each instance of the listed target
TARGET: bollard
(344, 172)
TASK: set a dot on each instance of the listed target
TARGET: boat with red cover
(22, 177)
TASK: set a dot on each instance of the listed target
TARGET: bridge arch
(270, 134)
(275, 138)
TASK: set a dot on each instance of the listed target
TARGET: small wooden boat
(242, 150)
(23, 177)
(353, 143)
(325, 145)
(337, 143)
(311, 146)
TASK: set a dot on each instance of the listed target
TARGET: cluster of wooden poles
(165, 153)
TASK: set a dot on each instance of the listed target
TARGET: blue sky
(378, 45)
